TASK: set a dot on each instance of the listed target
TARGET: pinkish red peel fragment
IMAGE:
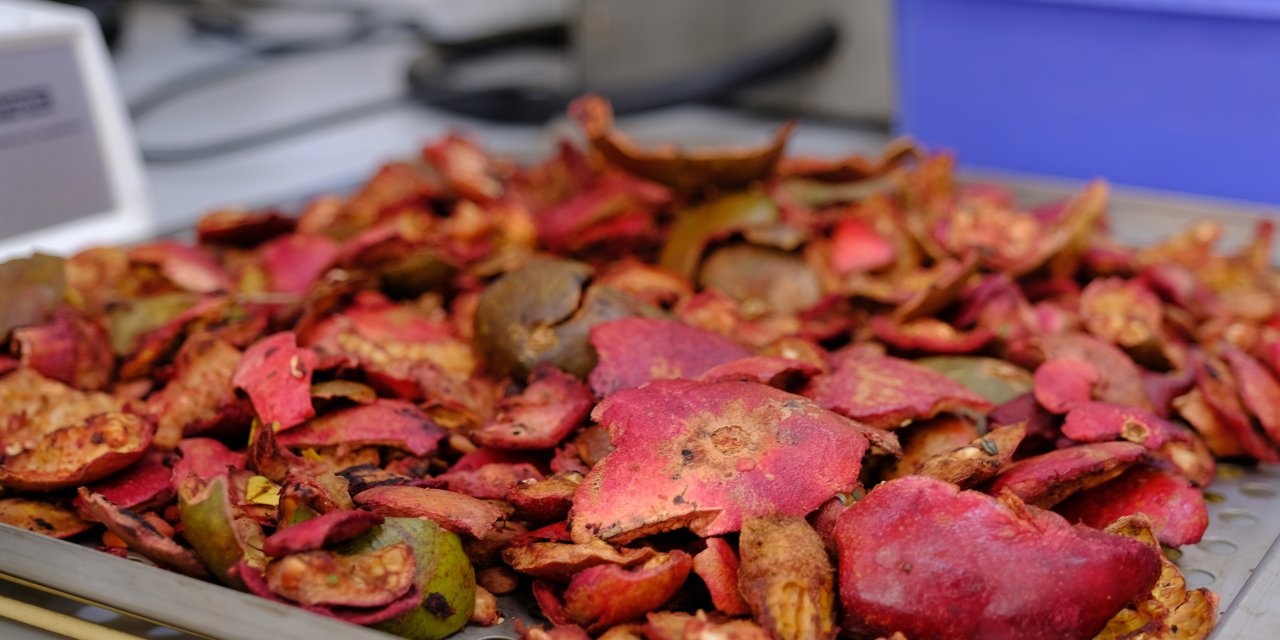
(318, 532)
(276, 375)
(1176, 508)
(703, 455)
(541, 416)
(393, 423)
(634, 351)
(885, 392)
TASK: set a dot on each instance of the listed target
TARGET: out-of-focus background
(248, 102)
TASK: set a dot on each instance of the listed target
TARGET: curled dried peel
(541, 416)
(1171, 611)
(1123, 312)
(1061, 384)
(371, 579)
(383, 422)
(560, 562)
(683, 170)
(205, 458)
(1101, 422)
(200, 395)
(453, 511)
(1119, 380)
(545, 500)
(978, 461)
(786, 578)
(604, 595)
(1048, 478)
(316, 533)
(70, 348)
(718, 565)
(142, 536)
(703, 455)
(79, 454)
(1175, 507)
(145, 484)
(41, 517)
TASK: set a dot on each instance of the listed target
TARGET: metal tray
(1239, 557)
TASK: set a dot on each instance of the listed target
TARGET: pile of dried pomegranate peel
(671, 394)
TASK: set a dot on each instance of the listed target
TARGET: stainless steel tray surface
(1238, 557)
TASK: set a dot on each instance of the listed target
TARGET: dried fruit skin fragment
(541, 416)
(634, 351)
(1048, 478)
(41, 517)
(1176, 509)
(276, 375)
(786, 578)
(978, 461)
(717, 565)
(319, 532)
(559, 562)
(1171, 610)
(142, 536)
(384, 422)
(371, 579)
(453, 511)
(444, 577)
(704, 455)
(1020, 573)
(604, 595)
(1062, 384)
(211, 526)
(78, 454)
(885, 392)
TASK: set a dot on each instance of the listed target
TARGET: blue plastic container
(1181, 95)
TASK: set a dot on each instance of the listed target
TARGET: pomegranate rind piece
(978, 461)
(69, 348)
(920, 556)
(78, 454)
(319, 532)
(145, 484)
(1170, 610)
(384, 422)
(887, 392)
(717, 565)
(774, 371)
(276, 375)
(704, 455)
(206, 459)
(539, 417)
(200, 396)
(787, 579)
(370, 579)
(604, 595)
(1061, 384)
(1119, 379)
(1176, 508)
(453, 511)
(634, 351)
(1048, 478)
(682, 170)
(559, 562)
(142, 536)
(42, 517)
